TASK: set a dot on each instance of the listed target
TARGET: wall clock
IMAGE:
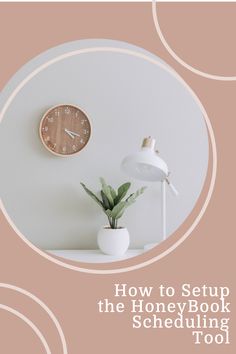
(65, 130)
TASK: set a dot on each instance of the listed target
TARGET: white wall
(126, 99)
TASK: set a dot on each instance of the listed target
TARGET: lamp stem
(163, 185)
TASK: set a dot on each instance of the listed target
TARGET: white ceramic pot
(114, 242)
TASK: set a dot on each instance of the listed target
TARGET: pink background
(203, 35)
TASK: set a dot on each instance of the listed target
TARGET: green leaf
(108, 213)
(103, 182)
(135, 195)
(122, 191)
(118, 210)
(113, 193)
(92, 195)
(106, 190)
(105, 200)
(120, 214)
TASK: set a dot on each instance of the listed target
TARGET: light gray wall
(126, 99)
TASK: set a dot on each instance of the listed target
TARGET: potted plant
(113, 239)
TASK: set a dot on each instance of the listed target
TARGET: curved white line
(44, 306)
(211, 134)
(177, 58)
(29, 323)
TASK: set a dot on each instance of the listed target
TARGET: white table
(94, 256)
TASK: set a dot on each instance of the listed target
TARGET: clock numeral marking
(47, 138)
(82, 141)
(67, 110)
(56, 113)
(85, 131)
(74, 147)
(45, 129)
(82, 121)
(64, 149)
(50, 119)
(76, 114)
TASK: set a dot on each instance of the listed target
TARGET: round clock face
(65, 130)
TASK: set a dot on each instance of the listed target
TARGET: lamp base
(149, 246)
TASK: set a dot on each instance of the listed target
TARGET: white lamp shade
(145, 165)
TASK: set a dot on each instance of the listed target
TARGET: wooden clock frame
(41, 125)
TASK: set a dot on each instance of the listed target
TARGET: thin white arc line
(29, 323)
(44, 306)
(211, 134)
(177, 58)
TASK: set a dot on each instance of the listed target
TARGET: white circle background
(161, 65)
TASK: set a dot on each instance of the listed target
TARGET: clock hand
(69, 133)
(72, 133)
